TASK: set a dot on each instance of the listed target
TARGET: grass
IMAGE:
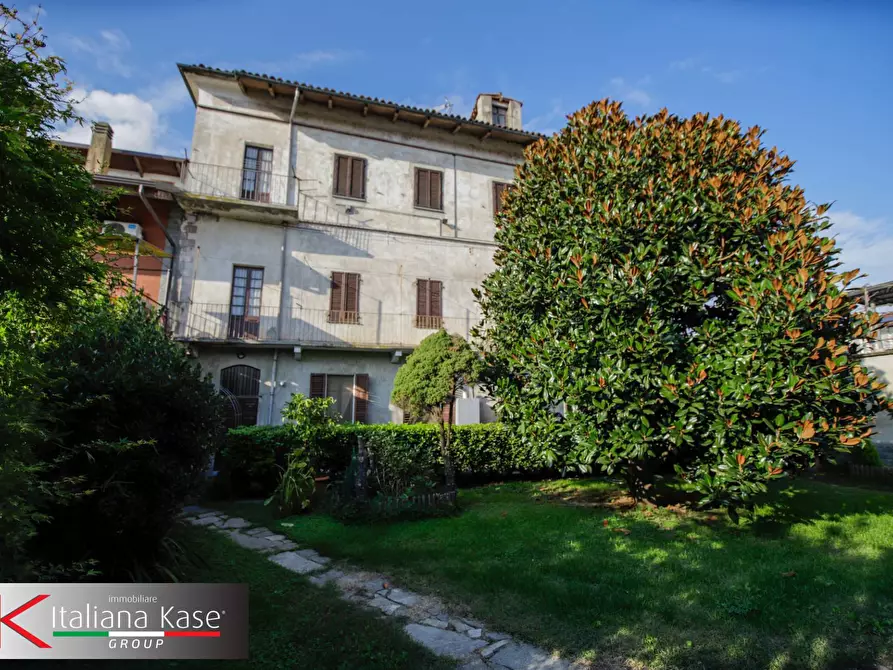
(807, 583)
(292, 624)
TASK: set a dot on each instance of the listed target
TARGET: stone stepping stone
(384, 605)
(491, 649)
(291, 561)
(313, 556)
(257, 531)
(214, 521)
(253, 542)
(435, 623)
(476, 664)
(407, 598)
(474, 633)
(519, 656)
(443, 642)
(236, 522)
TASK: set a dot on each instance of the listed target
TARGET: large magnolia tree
(661, 280)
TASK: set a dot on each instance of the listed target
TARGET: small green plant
(295, 485)
(310, 422)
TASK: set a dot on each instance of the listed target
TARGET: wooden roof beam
(396, 115)
(365, 110)
(271, 91)
(139, 166)
(457, 128)
(427, 121)
(331, 103)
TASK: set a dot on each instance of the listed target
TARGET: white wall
(882, 367)
(294, 376)
(388, 241)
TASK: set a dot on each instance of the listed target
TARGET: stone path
(473, 644)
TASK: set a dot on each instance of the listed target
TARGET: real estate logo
(140, 621)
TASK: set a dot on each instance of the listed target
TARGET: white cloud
(633, 94)
(138, 121)
(108, 50)
(134, 120)
(866, 244)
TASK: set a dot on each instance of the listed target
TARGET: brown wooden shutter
(421, 187)
(317, 385)
(421, 306)
(336, 295)
(361, 398)
(358, 178)
(498, 193)
(342, 175)
(351, 292)
(436, 191)
(435, 307)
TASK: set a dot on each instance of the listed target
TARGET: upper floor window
(344, 298)
(350, 177)
(429, 305)
(244, 302)
(499, 189)
(500, 114)
(428, 189)
(257, 174)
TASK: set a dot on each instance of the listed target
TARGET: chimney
(99, 155)
(495, 108)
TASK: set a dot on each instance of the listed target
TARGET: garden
(670, 350)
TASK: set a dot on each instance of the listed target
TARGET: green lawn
(808, 584)
(293, 624)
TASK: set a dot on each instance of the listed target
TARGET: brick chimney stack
(99, 155)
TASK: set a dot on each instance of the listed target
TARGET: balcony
(217, 186)
(881, 343)
(323, 328)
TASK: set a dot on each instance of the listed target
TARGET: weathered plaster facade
(300, 232)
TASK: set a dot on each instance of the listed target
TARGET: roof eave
(457, 122)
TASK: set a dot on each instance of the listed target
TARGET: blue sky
(816, 74)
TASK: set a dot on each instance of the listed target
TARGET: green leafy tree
(662, 279)
(427, 384)
(49, 214)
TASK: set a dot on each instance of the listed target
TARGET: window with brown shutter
(429, 304)
(428, 189)
(350, 393)
(344, 298)
(499, 189)
(317, 386)
(350, 177)
(361, 398)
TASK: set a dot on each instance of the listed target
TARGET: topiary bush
(662, 279)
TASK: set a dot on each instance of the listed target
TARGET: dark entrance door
(243, 382)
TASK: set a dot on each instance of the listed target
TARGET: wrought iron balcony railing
(312, 327)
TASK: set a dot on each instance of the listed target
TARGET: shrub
(427, 384)
(136, 426)
(661, 278)
(296, 484)
(249, 464)
(309, 421)
(403, 457)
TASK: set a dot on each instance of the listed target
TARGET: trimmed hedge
(482, 453)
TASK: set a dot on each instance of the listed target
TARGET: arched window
(243, 383)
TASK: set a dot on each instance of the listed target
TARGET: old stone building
(325, 234)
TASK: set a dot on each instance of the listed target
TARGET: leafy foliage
(296, 484)
(661, 278)
(49, 212)
(427, 384)
(309, 421)
(403, 457)
(49, 207)
(136, 425)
